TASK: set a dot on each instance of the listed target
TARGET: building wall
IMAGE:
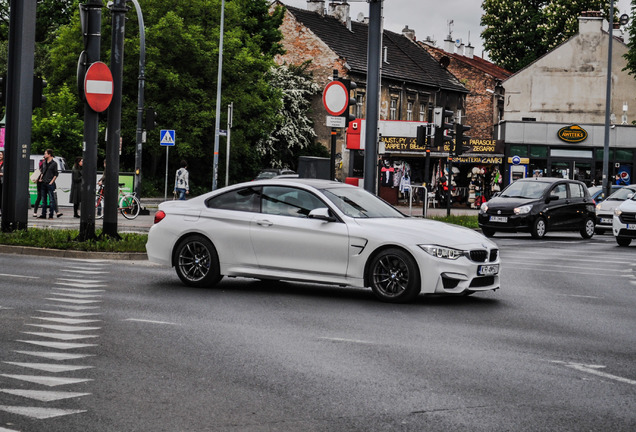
(568, 85)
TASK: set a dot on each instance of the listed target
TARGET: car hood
(509, 203)
(609, 205)
(425, 231)
(628, 206)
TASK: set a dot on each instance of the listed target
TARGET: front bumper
(514, 223)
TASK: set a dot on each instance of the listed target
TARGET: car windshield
(621, 194)
(358, 203)
(525, 189)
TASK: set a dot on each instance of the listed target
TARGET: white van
(35, 162)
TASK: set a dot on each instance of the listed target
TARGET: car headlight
(598, 207)
(483, 208)
(442, 251)
(523, 209)
(618, 212)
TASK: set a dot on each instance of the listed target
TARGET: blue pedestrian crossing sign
(166, 137)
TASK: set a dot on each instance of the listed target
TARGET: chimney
(590, 22)
(460, 49)
(409, 33)
(341, 11)
(449, 44)
(316, 6)
(470, 51)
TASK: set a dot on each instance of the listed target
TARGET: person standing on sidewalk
(49, 175)
(76, 185)
(40, 188)
(181, 181)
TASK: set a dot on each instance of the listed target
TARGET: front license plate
(488, 270)
(605, 221)
(503, 219)
(631, 226)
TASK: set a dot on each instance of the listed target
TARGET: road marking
(150, 321)
(55, 355)
(80, 290)
(77, 308)
(49, 367)
(594, 370)
(8, 430)
(78, 296)
(576, 295)
(347, 340)
(64, 328)
(47, 380)
(59, 345)
(83, 281)
(75, 301)
(87, 272)
(19, 276)
(61, 336)
(70, 314)
(43, 395)
(38, 413)
(66, 320)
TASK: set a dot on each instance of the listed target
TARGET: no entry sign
(98, 86)
(335, 98)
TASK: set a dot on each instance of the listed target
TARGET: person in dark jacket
(76, 185)
(41, 189)
(49, 175)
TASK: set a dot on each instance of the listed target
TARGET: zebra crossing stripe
(67, 320)
(49, 367)
(38, 413)
(62, 336)
(55, 355)
(79, 296)
(81, 290)
(43, 395)
(64, 328)
(74, 301)
(70, 314)
(48, 381)
(59, 345)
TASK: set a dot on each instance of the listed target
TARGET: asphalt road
(552, 350)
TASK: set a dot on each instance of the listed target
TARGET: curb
(61, 253)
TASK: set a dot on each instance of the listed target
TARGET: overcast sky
(430, 17)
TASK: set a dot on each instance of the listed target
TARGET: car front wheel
(197, 262)
(587, 231)
(539, 228)
(394, 277)
(623, 241)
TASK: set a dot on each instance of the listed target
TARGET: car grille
(628, 218)
(481, 255)
(482, 281)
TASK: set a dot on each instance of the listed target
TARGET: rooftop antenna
(450, 28)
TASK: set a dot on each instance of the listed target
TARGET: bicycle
(128, 203)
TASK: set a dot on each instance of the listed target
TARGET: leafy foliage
(517, 32)
(631, 54)
(64, 239)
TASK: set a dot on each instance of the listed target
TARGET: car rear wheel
(623, 241)
(394, 277)
(587, 231)
(488, 232)
(197, 262)
(539, 228)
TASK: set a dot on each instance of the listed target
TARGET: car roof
(317, 183)
(547, 179)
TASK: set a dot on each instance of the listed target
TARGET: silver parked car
(605, 209)
(319, 231)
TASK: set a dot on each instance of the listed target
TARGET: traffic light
(461, 139)
(151, 116)
(421, 140)
(350, 85)
(443, 122)
(38, 96)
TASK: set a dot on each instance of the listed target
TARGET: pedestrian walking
(181, 181)
(39, 187)
(49, 175)
(76, 185)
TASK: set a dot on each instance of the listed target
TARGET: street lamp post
(608, 102)
(217, 125)
(140, 98)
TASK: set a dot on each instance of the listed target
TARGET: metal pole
(217, 125)
(332, 159)
(608, 108)
(111, 188)
(373, 95)
(15, 196)
(140, 97)
(230, 113)
(92, 12)
(165, 190)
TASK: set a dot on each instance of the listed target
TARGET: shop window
(393, 111)
(600, 152)
(538, 151)
(519, 150)
(624, 154)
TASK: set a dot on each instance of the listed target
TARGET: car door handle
(265, 223)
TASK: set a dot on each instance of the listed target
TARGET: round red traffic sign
(98, 86)
(335, 98)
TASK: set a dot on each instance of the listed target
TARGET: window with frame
(289, 201)
(359, 105)
(422, 112)
(244, 199)
(560, 190)
(576, 190)
(409, 111)
(393, 110)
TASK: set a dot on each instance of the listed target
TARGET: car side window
(576, 191)
(245, 199)
(288, 201)
(560, 190)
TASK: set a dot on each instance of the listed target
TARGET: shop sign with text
(478, 160)
(572, 134)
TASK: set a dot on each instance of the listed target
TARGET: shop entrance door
(574, 169)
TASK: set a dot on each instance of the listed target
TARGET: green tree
(294, 132)
(517, 32)
(631, 54)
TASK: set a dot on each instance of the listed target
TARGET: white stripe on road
(150, 321)
(43, 395)
(594, 370)
(347, 340)
(58, 345)
(74, 301)
(38, 413)
(48, 381)
(62, 336)
(55, 355)
(18, 276)
(64, 328)
(70, 321)
(49, 367)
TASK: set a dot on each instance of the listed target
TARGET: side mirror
(552, 198)
(321, 213)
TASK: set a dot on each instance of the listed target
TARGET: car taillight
(159, 216)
